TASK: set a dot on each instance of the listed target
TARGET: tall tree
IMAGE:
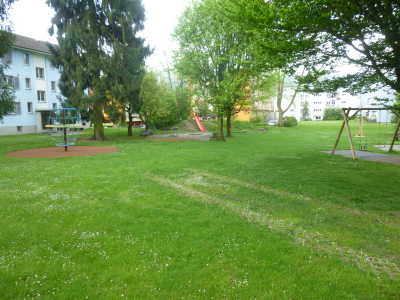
(7, 95)
(305, 111)
(155, 96)
(236, 86)
(178, 83)
(126, 80)
(89, 33)
(282, 83)
(210, 47)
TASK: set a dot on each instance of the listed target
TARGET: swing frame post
(340, 131)
(395, 132)
(349, 134)
(345, 122)
(346, 113)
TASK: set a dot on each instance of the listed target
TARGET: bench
(146, 132)
(170, 129)
(261, 130)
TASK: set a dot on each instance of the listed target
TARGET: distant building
(35, 82)
(318, 103)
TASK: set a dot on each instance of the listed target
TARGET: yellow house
(259, 109)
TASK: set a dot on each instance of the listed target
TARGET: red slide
(199, 123)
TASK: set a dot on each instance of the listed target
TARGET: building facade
(318, 103)
(35, 82)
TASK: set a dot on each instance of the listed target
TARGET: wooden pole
(340, 133)
(349, 133)
(394, 136)
(65, 139)
(65, 132)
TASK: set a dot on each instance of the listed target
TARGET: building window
(26, 59)
(17, 108)
(9, 81)
(330, 95)
(53, 86)
(19, 128)
(28, 83)
(30, 107)
(343, 102)
(333, 102)
(7, 57)
(318, 118)
(12, 82)
(54, 105)
(41, 96)
(39, 73)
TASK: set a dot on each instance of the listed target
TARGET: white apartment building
(318, 103)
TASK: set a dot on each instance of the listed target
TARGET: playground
(264, 215)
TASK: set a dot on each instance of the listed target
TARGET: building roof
(31, 44)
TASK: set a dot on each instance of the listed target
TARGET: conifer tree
(7, 95)
(91, 34)
(126, 80)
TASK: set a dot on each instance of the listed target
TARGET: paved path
(383, 158)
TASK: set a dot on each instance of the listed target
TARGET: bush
(332, 113)
(305, 119)
(165, 121)
(255, 119)
(289, 122)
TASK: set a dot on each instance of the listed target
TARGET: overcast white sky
(31, 18)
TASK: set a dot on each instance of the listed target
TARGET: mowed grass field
(261, 216)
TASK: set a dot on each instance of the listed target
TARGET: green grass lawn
(261, 216)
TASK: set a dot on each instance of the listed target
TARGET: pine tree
(91, 34)
(128, 74)
(7, 95)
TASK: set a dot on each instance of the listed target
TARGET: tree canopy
(363, 34)
(92, 36)
(214, 56)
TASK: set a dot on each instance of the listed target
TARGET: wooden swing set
(359, 124)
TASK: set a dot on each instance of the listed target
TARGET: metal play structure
(64, 123)
(359, 133)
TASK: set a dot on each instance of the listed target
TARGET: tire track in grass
(301, 236)
(345, 210)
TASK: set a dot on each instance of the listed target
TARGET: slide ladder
(199, 123)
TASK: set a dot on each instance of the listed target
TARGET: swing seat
(362, 147)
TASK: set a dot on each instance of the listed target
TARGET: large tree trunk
(228, 125)
(98, 134)
(220, 132)
(279, 96)
(130, 123)
(280, 116)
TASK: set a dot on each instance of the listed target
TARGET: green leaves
(215, 54)
(156, 97)
(99, 50)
